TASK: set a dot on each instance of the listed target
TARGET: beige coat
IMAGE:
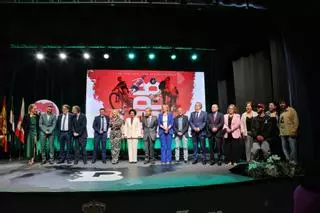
(133, 130)
(289, 122)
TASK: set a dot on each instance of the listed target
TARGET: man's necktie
(64, 122)
(102, 124)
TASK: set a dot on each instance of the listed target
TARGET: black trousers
(233, 149)
(80, 144)
(215, 148)
(65, 138)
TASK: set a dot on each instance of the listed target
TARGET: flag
(19, 129)
(11, 119)
(4, 125)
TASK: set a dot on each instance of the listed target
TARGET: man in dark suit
(64, 128)
(214, 132)
(100, 126)
(181, 126)
(79, 131)
(149, 126)
(198, 122)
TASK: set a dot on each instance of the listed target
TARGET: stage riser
(255, 197)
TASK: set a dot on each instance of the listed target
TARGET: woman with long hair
(31, 128)
(246, 123)
(165, 121)
(116, 124)
(232, 129)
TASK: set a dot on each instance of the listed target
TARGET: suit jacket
(149, 130)
(199, 122)
(47, 125)
(170, 123)
(132, 130)
(97, 124)
(235, 126)
(26, 125)
(59, 121)
(80, 125)
(185, 125)
(217, 123)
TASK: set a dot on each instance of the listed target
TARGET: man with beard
(261, 129)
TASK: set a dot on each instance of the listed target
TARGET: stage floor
(18, 177)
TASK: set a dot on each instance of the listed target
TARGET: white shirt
(165, 120)
(48, 117)
(104, 124)
(66, 123)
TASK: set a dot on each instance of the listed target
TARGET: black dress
(232, 146)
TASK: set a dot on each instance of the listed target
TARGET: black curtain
(252, 79)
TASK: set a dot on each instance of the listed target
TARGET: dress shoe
(219, 163)
(104, 162)
(146, 161)
(212, 162)
(204, 162)
(69, 162)
(85, 162)
(43, 162)
(93, 161)
(194, 162)
(60, 161)
(51, 162)
(185, 161)
(75, 162)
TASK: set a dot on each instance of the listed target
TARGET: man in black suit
(79, 131)
(100, 126)
(64, 128)
(181, 126)
(215, 122)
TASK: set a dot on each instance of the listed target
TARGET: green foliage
(273, 167)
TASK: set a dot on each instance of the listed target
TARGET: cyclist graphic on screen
(168, 91)
(119, 97)
(137, 83)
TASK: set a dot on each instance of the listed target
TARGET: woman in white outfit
(132, 132)
(246, 121)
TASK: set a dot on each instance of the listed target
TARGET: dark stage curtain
(252, 79)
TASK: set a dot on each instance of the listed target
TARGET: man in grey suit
(149, 125)
(47, 124)
(181, 127)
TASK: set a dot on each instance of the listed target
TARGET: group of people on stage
(263, 133)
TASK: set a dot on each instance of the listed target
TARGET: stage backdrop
(139, 89)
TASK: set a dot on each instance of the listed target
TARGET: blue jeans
(289, 147)
(166, 140)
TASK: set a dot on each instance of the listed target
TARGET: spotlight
(131, 56)
(86, 55)
(63, 56)
(40, 56)
(173, 57)
(106, 56)
(194, 57)
(152, 56)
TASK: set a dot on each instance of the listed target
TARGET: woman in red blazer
(232, 136)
